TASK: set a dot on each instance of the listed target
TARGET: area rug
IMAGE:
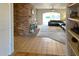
(55, 33)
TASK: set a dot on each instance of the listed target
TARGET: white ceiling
(50, 5)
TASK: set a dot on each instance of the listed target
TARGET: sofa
(55, 23)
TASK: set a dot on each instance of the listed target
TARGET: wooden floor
(35, 46)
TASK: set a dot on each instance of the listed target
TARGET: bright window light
(50, 16)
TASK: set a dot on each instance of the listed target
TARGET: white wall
(6, 30)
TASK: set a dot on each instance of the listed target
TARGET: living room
(47, 15)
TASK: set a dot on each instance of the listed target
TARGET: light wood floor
(37, 46)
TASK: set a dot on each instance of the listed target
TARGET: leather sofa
(55, 23)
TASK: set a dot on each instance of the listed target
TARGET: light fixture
(52, 8)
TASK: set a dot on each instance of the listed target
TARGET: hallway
(49, 41)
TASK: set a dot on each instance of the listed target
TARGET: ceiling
(49, 5)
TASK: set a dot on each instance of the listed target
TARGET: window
(50, 16)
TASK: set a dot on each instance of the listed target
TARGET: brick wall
(22, 15)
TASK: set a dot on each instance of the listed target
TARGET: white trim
(11, 31)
